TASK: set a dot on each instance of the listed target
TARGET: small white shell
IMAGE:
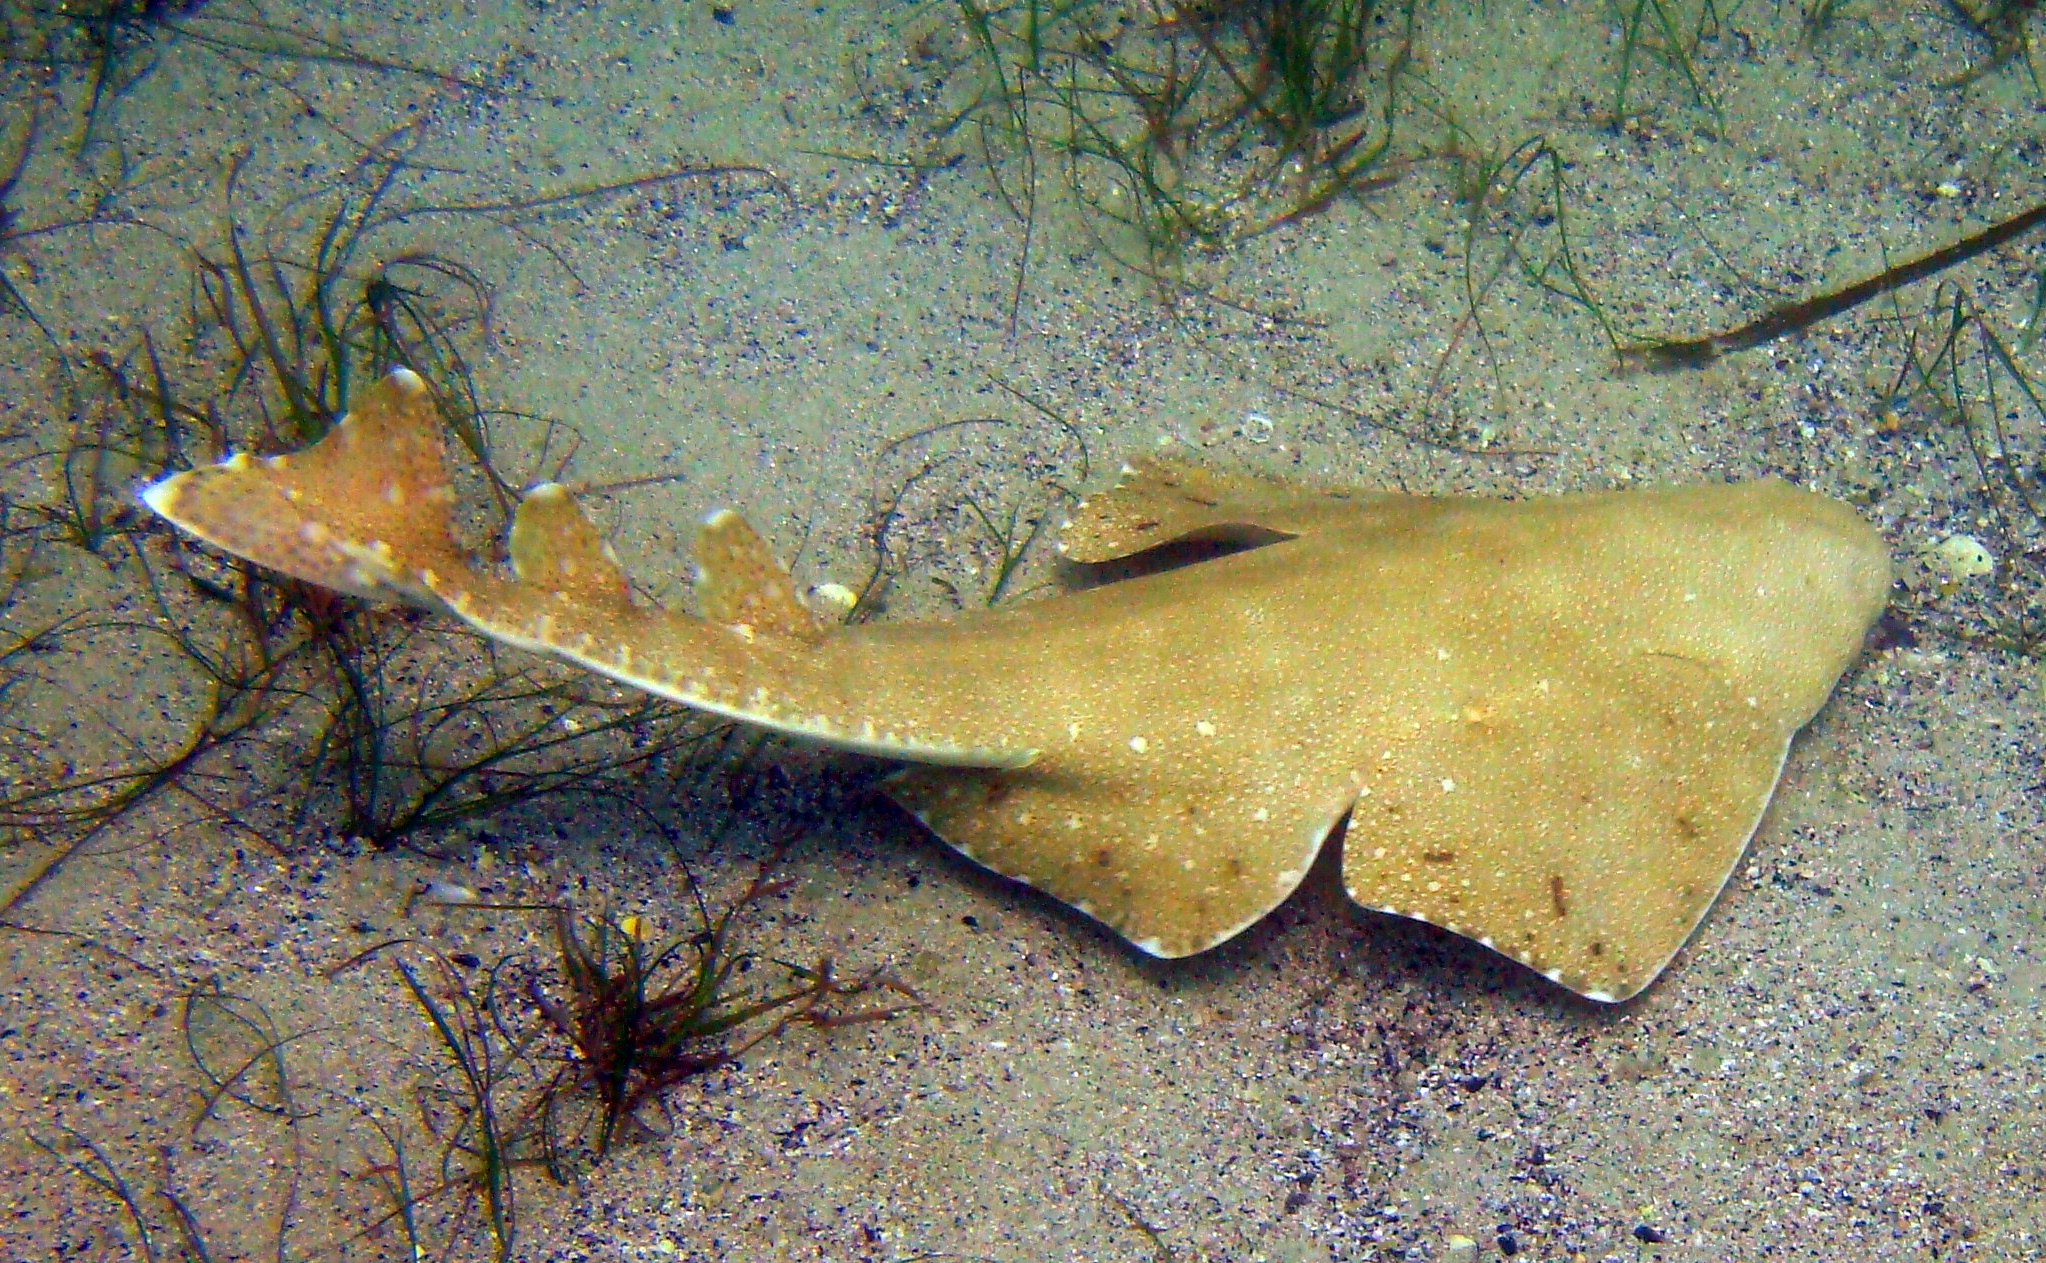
(447, 892)
(837, 596)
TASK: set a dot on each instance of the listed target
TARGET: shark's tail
(368, 510)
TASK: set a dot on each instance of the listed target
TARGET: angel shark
(1552, 725)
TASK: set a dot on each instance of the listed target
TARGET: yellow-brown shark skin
(1555, 722)
(319, 514)
(1558, 720)
(365, 510)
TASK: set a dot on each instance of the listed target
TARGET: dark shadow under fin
(1162, 500)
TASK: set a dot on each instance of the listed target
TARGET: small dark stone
(1509, 1245)
(467, 960)
(1892, 632)
(1648, 1236)
(970, 921)
(723, 14)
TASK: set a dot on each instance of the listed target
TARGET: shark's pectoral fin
(1163, 501)
(1590, 826)
(1174, 871)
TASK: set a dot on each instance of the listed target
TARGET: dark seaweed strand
(1663, 357)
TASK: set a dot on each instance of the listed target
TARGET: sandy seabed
(1847, 1061)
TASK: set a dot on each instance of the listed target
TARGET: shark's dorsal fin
(740, 584)
(1163, 500)
(556, 548)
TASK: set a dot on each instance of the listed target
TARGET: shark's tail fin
(366, 510)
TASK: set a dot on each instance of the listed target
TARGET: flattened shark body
(1554, 724)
